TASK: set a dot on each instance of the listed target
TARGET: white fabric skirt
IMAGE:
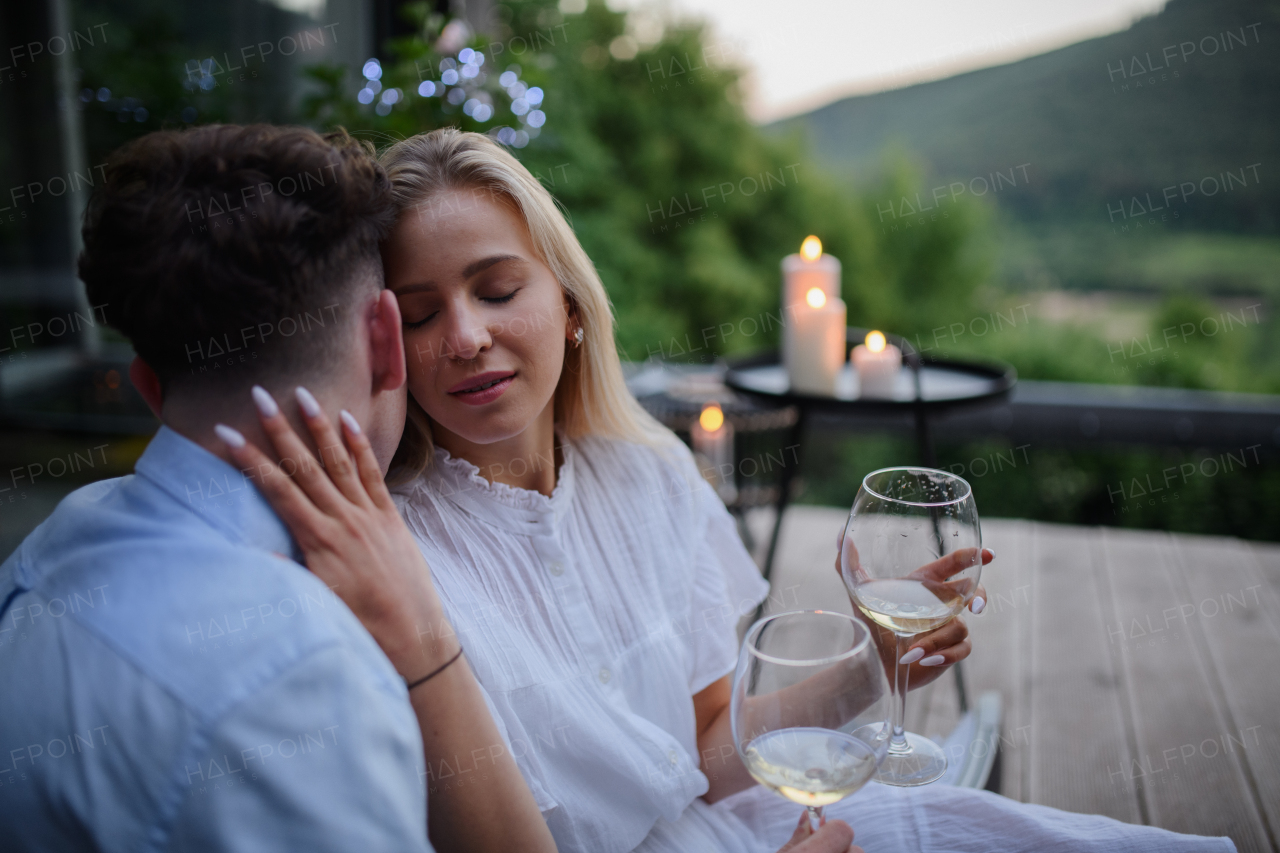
(930, 819)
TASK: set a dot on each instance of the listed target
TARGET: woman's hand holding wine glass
(930, 654)
(911, 557)
(834, 836)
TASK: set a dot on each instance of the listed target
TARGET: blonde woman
(594, 580)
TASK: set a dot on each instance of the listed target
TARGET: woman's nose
(466, 335)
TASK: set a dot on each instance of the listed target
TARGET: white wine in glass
(809, 708)
(811, 766)
(911, 557)
(907, 607)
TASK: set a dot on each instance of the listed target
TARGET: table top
(944, 383)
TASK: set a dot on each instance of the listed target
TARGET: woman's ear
(386, 342)
(148, 385)
(571, 321)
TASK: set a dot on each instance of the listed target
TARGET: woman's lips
(488, 387)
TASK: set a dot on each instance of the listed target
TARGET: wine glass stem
(898, 743)
(815, 817)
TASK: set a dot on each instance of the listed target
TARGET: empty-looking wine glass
(810, 707)
(911, 559)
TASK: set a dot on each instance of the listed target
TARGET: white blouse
(593, 616)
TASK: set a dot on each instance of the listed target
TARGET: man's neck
(195, 418)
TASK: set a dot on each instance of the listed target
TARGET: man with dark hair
(171, 678)
(233, 256)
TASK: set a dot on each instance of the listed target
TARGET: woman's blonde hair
(591, 397)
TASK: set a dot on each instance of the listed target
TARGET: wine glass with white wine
(911, 558)
(810, 707)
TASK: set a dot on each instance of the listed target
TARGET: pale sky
(805, 53)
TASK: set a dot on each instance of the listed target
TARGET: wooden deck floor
(1139, 670)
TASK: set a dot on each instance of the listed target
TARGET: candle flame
(811, 248)
(875, 341)
(712, 417)
(816, 297)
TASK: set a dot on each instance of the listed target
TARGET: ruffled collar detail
(519, 510)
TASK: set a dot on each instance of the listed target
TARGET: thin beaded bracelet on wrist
(431, 675)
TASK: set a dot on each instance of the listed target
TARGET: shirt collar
(519, 510)
(215, 491)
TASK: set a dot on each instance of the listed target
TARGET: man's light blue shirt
(170, 679)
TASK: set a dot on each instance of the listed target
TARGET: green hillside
(1180, 97)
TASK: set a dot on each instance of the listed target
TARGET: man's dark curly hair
(227, 254)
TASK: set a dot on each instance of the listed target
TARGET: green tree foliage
(161, 65)
(685, 207)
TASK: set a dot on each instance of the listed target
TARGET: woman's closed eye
(500, 300)
(415, 324)
(496, 299)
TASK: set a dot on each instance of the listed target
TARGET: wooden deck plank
(1230, 608)
(804, 574)
(1172, 695)
(1077, 720)
(1267, 556)
(1000, 638)
(935, 710)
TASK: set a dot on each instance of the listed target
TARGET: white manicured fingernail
(932, 660)
(977, 604)
(265, 402)
(229, 435)
(992, 552)
(350, 421)
(912, 656)
(310, 407)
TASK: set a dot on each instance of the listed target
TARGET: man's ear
(386, 342)
(148, 385)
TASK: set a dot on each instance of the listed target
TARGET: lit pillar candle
(801, 273)
(806, 270)
(815, 346)
(713, 442)
(812, 345)
(878, 364)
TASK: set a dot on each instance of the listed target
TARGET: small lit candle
(713, 443)
(815, 346)
(878, 363)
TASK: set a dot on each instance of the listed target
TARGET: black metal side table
(926, 387)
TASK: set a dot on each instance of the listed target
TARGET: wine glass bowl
(808, 709)
(911, 558)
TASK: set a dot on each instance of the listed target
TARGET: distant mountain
(1188, 98)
